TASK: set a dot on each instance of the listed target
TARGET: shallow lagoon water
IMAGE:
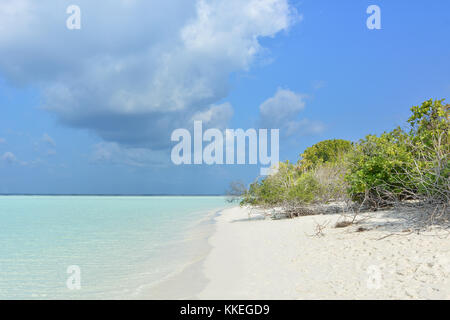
(120, 243)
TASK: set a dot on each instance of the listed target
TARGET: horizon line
(112, 194)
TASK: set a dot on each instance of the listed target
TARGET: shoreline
(257, 258)
(188, 281)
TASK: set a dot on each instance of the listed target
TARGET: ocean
(99, 247)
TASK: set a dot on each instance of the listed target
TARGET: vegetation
(323, 152)
(379, 163)
(430, 146)
(401, 166)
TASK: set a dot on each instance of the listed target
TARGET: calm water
(120, 244)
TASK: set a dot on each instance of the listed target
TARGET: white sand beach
(257, 258)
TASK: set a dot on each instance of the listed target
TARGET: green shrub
(430, 122)
(324, 152)
(305, 189)
(380, 164)
(290, 187)
(273, 189)
(430, 126)
(399, 165)
(394, 166)
(286, 186)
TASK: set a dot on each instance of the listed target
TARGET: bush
(430, 143)
(378, 167)
(377, 171)
(430, 123)
(331, 179)
(272, 190)
(398, 165)
(294, 190)
(323, 152)
(304, 190)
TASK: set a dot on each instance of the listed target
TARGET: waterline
(122, 245)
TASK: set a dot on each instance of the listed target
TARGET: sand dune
(261, 258)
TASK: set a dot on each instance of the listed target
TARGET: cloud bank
(283, 110)
(137, 69)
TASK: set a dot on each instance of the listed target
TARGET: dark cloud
(137, 69)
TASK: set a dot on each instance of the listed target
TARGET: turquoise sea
(123, 245)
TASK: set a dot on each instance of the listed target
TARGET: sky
(92, 110)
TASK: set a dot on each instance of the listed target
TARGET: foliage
(272, 190)
(378, 170)
(323, 152)
(429, 122)
(293, 190)
(379, 162)
(398, 165)
(430, 126)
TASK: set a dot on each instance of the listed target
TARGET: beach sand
(257, 258)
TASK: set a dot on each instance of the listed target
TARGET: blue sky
(92, 110)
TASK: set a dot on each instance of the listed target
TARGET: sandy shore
(257, 258)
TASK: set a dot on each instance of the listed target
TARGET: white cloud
(280, 108)
(2, 140)
(318, 84)
(137, 69)
(45, 145)
(9, 157)
(113, 153)
(282, 112)
(48, 140)
(303, 127)
(217, 116)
